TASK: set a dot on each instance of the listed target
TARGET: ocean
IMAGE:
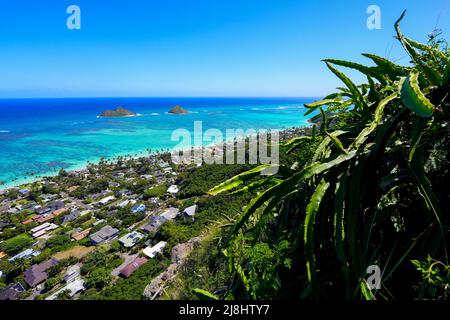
(38, 137)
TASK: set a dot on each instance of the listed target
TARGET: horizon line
(160, 97)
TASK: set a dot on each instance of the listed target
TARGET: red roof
(27, 221)
(47, 218)
(81, 235)
(133, 266)
(59, 211)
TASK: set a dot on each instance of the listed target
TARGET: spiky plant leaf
(413, 98)
(238, 180)
(204, 295)
(357, 96)
(308, 236)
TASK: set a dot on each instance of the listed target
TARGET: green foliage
(205, 177)
(52, 282)
(205, 268)
(59, 242)
(16, 244)
(372, 192)
(175, 233)
(131, 288)
(435, 279)
(158, 191)
(98, 278)
(204, 295)
(100, 258)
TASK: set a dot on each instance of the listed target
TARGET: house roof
(4, 224)
(73, 287)
(171, 213)
(81, 235)
(11, 292)
(190, 211)
(59, 211)
(173, 189)
(155, 223)
(37, 274)
(104, 234)
(129, 240)
(152, 251)
(133, 266)
(138, 207)
(28, 253)
(71, 216)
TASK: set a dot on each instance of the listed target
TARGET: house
(72, 189)
(43, 211)
(124, 203)
(52, 206)
(81, 235)
(5, 207)
(11, 292)
(70, 217)
(96, 223)
(173, 189)
(155, 223)
(72, 273)
(104, 235)
(151, 252)
(36, 274)
(3, 224)
(138, 208)
(48, 197)
(26, 254)
(125, 193)
(24, 191)
(43, 229)
(133, 266)
(46, 218)
(59, 212)
(171, 213)
(106, 200)
(190, 211)
(73, 288)
(131, 239)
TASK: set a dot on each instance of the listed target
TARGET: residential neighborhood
(82, 234)
(56, 225)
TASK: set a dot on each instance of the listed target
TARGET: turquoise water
(39, 137)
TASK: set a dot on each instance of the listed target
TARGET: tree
(16, 244)
(64, 295)
(58, 241)
(98, 278)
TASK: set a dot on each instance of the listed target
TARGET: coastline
(135, 155)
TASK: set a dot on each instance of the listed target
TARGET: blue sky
(196, 47)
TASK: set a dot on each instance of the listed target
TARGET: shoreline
(137, 154)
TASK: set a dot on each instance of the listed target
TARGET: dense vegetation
(373, 193)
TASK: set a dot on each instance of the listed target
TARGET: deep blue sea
(38, 137)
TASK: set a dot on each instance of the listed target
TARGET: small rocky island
(118, 112)
(178, 110)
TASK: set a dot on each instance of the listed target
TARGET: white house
(151, 252)
(106, 200)
(173, 189)
(171, 213)
(73, 287)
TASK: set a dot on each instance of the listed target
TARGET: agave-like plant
(374, 193)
